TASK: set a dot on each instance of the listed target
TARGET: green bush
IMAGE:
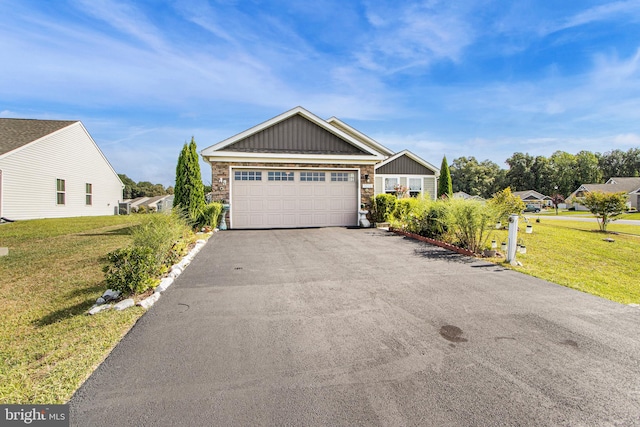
(432, 220)
(383, 207)
(505, 203)
(471, 222)
(160, 233)
(404, 207)
(209, 215)
(131, 270)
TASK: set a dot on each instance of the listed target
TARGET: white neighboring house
(54, 169)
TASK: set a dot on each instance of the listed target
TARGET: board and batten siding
(29, 176)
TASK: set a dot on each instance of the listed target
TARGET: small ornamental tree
(505, 204)
(445, 187)
(605, 206)
(189, 189)
(556, 200)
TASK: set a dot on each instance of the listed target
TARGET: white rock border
(175, 271)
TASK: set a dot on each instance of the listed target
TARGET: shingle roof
(627, 184)
(14, 133)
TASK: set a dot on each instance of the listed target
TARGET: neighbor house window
(88, 189)
(343, 176)
(60, 191)
(311, 176)
(279, 176)
(247, 176)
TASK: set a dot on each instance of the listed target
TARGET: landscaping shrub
(471, 222)
(131, 270)
(404, 207)
(209, 215)
(160, 233)
(383, 206)
(505, 203)
(158, 241)
(432, 221)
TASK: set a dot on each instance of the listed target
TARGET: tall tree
(444, 183)
(519, 175)
(564, 172)
(587, 169)
(189, 190)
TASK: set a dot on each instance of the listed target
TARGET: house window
(247, 176)
(390, 185)
(311, 176)
(343, 176)
(415, 187)
(88, 189)
(280, 176)
(60, 191)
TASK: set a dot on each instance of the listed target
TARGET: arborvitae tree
(189, 190)
(444, 183)
(179, 190)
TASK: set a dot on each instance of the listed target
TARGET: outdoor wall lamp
(366, 177)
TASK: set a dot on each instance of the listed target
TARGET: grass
(564, 212)
(574, 254)
(52, 275)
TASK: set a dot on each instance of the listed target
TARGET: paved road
(362, 327)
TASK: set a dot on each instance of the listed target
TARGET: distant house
(155, 203)
(532, 197)
(464, 196)
(630, 186)
(53, 169)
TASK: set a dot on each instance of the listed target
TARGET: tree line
(133, 190)
(561, 173)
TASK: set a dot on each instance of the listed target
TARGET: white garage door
(267, 198)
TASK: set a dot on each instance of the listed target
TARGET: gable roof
(531, 195)
(295, 133)
(15, 133)
(628, 184)
(406, 163)
(613, 185)
(361, 136)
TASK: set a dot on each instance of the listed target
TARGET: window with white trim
(343, 176)
(247, 176)
(60, 191)
(390, 184)
(415, 187)
(279, 176)
(88, 198)
(312, 176)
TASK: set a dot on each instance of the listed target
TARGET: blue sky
(457, 78)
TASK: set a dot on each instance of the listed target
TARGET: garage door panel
(289, 205)
(276, 204)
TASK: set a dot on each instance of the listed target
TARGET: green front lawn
(52, 275)
(574, 254)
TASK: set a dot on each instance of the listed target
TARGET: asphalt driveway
(339, 326)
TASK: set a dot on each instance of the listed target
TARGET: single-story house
(53, 169)
(465, 196)
(532, 197)
(155, 203)
(628, 185)
(298, 170)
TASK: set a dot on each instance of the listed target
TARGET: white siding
(29, 177)
(429, 183)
